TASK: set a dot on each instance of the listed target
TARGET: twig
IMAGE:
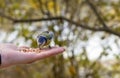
(96, 13)
(100, 19)
(6, 16)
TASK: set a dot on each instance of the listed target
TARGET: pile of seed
(37, 50)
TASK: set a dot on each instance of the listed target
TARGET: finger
(50, 52)
(44, 49)
(30, 57)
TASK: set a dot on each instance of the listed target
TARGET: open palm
(11, 54)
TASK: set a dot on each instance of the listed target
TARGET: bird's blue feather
(42, 39)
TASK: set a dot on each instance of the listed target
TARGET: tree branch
(5, 16)
(96, 13)
(70, 21)
(100, 19)
(59, 18)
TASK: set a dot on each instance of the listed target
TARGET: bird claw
(49, 47)
(39, 48)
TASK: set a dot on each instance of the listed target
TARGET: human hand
(11, 55)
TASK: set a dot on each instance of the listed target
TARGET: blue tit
(44, 39)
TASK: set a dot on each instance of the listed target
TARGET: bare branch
(41, 8)
(96, 13)
(6, 16)
(70, 21)
(59, 18)
(100, 19)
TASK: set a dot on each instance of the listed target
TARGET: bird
(44, 39)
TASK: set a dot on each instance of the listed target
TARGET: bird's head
(51, 35)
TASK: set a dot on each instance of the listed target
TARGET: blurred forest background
(88, 29)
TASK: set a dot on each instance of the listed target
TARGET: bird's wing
(42, 40)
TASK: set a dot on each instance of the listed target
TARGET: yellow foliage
(72, 70)
(51, 5)
(33, 3)
(2, 3)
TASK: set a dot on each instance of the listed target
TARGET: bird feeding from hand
(44, 39)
